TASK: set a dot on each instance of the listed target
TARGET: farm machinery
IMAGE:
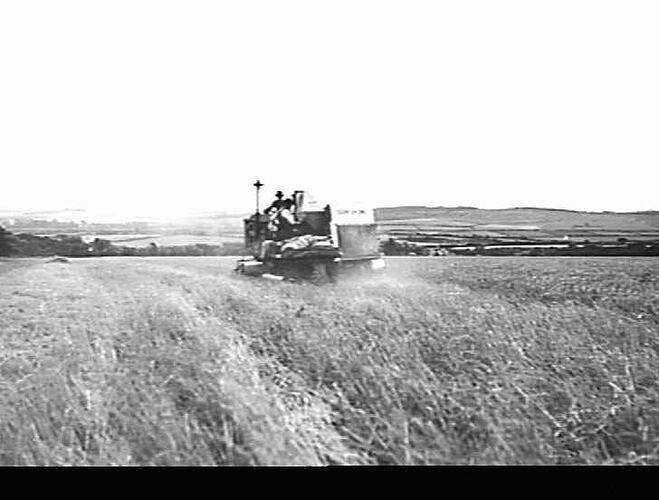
(298, 238)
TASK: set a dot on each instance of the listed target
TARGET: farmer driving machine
(299, 238)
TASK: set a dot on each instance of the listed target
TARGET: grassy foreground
(448, 360)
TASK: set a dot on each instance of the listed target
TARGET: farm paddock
(438, 361)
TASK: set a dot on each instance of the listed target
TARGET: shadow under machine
(316, 241)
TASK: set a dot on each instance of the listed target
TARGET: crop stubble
(447, 360)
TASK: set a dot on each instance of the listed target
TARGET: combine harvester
(323, 243)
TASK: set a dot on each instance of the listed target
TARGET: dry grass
(451, 360)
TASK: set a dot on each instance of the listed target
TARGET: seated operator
(286, 223)
(275, 205)
(273, 210)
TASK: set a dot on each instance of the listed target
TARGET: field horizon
(78, 214)
(425, 228)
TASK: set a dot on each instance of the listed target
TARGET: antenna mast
(258, 185)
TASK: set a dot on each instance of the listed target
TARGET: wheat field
(177, 361)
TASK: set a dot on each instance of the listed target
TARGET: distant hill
(435, 223)
(547, 218)
(414, 222)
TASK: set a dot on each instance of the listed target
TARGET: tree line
(30, 245)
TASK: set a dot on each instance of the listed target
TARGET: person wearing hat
(287, 226)
(277, 204)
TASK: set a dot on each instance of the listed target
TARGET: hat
(279, 194)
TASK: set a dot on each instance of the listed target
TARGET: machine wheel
(319, 273)
(332, 271)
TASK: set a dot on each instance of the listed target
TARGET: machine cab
(350, 229)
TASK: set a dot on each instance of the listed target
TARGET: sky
(176, 107)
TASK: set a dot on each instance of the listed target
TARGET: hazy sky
(146, 106)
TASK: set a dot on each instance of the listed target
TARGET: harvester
(322, 243)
